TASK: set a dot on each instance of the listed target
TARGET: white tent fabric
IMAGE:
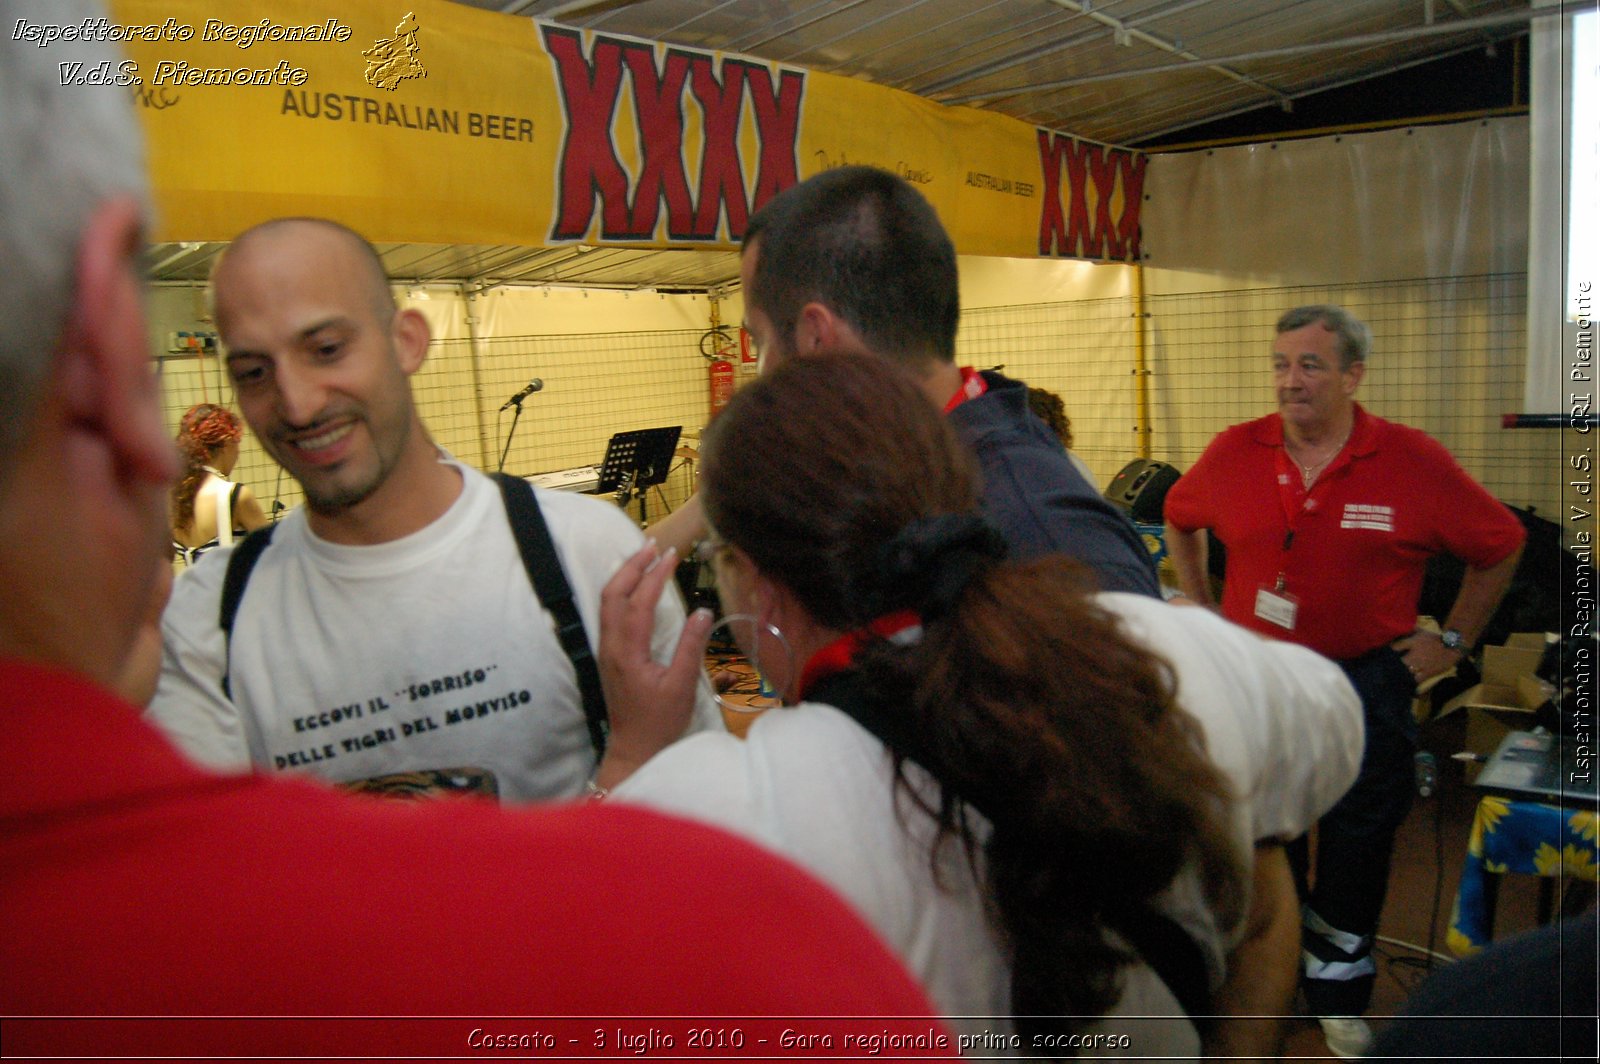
(1551, 336)
(1424, 201)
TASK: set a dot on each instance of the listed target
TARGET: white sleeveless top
(220, 488)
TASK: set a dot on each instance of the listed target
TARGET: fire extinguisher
(716, 345)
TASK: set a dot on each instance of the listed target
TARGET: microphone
(533, 386)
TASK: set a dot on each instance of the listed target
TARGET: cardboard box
(1506, 698)
(1528, 641)
(1532, 691)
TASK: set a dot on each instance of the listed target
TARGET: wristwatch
(1453, 640)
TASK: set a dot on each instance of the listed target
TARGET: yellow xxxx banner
(434, 122)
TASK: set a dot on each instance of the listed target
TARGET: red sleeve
(1188, 505)
(1471, 524)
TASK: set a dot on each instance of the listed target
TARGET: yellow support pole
(1141, 368)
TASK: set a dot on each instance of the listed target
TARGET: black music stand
(636, 461)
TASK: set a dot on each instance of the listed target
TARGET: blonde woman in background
(208, 438)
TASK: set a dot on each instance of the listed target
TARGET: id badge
(1277, 607)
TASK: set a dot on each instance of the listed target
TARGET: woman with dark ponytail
(208, 509)
(1044, 798)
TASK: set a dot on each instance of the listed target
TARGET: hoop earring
(768, 696)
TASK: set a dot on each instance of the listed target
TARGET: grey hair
(64, 150)
(1355, 339)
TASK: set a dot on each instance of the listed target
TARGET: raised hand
(650, 704)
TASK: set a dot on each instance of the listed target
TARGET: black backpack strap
(555, 594)
(240, 564)
(1175, 957)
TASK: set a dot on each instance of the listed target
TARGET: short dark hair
(1355, 339)
(867, 245)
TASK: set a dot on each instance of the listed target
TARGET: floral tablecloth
(1512, 836)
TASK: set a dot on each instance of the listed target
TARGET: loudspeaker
(1140, 488)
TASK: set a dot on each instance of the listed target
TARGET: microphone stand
(513, 431)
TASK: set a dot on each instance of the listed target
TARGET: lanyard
(972, 386)
(1297, 501)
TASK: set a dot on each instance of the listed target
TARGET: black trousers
(1343, 896)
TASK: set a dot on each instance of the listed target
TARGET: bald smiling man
(389, 627)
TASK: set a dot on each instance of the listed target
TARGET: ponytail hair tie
(929, 562)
